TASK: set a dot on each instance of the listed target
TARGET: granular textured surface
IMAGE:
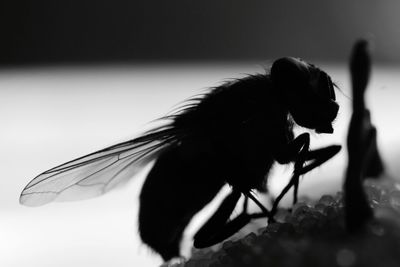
(314, 234)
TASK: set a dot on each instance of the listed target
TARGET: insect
(230, 135)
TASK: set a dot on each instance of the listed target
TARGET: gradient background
(140, 31)
(76, 76)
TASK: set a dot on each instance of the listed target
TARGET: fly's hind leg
(215, 229)
(218, 227)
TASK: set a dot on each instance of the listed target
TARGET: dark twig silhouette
(364, 158)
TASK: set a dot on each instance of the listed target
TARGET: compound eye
(323, 86)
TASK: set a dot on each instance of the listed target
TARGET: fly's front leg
(290, 152)
(318, 157)
(296, 151)
(302, 143)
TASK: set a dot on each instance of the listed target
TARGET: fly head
(308, 93)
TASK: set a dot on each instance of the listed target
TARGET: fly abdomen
(177, 187)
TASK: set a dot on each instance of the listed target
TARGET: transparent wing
(95, 174)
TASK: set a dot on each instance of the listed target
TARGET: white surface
(49, 116)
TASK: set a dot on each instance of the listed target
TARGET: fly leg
(215, 230)
(290, 152)
(296, 151)
(294, 181)
(218, 227)
(317, 157)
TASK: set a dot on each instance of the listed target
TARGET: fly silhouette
(231, 135)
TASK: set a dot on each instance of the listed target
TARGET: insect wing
(91, 175)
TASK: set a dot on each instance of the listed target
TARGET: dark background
(63, 31)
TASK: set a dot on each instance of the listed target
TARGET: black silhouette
(364, 157)
(233, 134)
